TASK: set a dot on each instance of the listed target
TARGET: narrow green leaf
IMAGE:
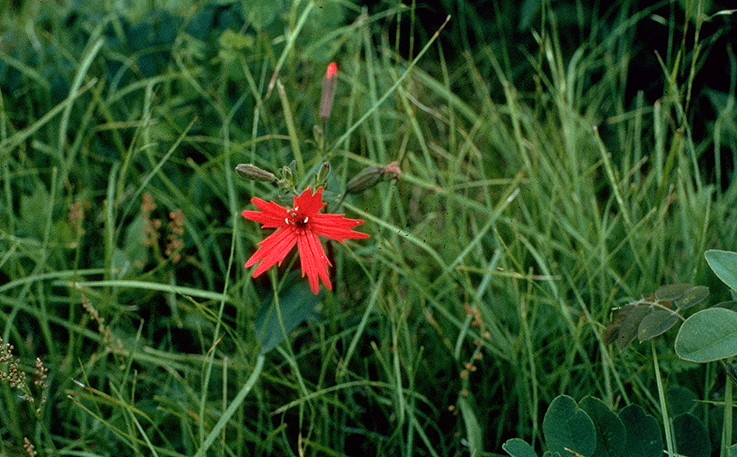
(473, 429)
(232, 408)
(567, 428)
(708, 335)
(148, 285)
(724, 265)
(643, 434)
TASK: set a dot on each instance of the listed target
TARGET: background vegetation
(555, 167)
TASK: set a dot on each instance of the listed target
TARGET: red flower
(300, 225)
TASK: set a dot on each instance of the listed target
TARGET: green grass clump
(535, 197)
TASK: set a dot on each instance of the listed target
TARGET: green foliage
(517, 447)
(642, 431)
(278, 317)
(591, 428)
(708, 335)
(724, 265)
(692, 439)
(568, 427)
(609, 428)
(654, 315)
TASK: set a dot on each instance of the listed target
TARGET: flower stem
(669, 443)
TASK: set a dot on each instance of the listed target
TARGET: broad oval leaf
(622, 330)
(643, 433)
(730, 305)
(708, 335)
(672, 292)
(724, 265)
(681, 400)
(610, 433)
(298, 304)
(518, 448)
(567, 428)
(692, 297)
(655, 323)
(691, 436)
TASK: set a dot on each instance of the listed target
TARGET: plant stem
(727, 424)
(670, 445)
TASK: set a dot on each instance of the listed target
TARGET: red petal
(272, 215)
(314, 262)
(272, 250)
(336, 227)
(268, 207)
(308, 203)
(275, 248)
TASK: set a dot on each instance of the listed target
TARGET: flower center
(296, 218)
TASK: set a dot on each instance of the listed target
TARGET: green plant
(590, 428)
(653, 315)
(706, 336)
(711, 334)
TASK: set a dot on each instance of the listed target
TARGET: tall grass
(535, 198)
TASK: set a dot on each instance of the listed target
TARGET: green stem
(670, 445)
(727, 424)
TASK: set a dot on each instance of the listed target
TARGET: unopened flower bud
(328, 90)
(287, 175)
(366, 179)
(370, 176)
(251, 171)
(322, 175)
